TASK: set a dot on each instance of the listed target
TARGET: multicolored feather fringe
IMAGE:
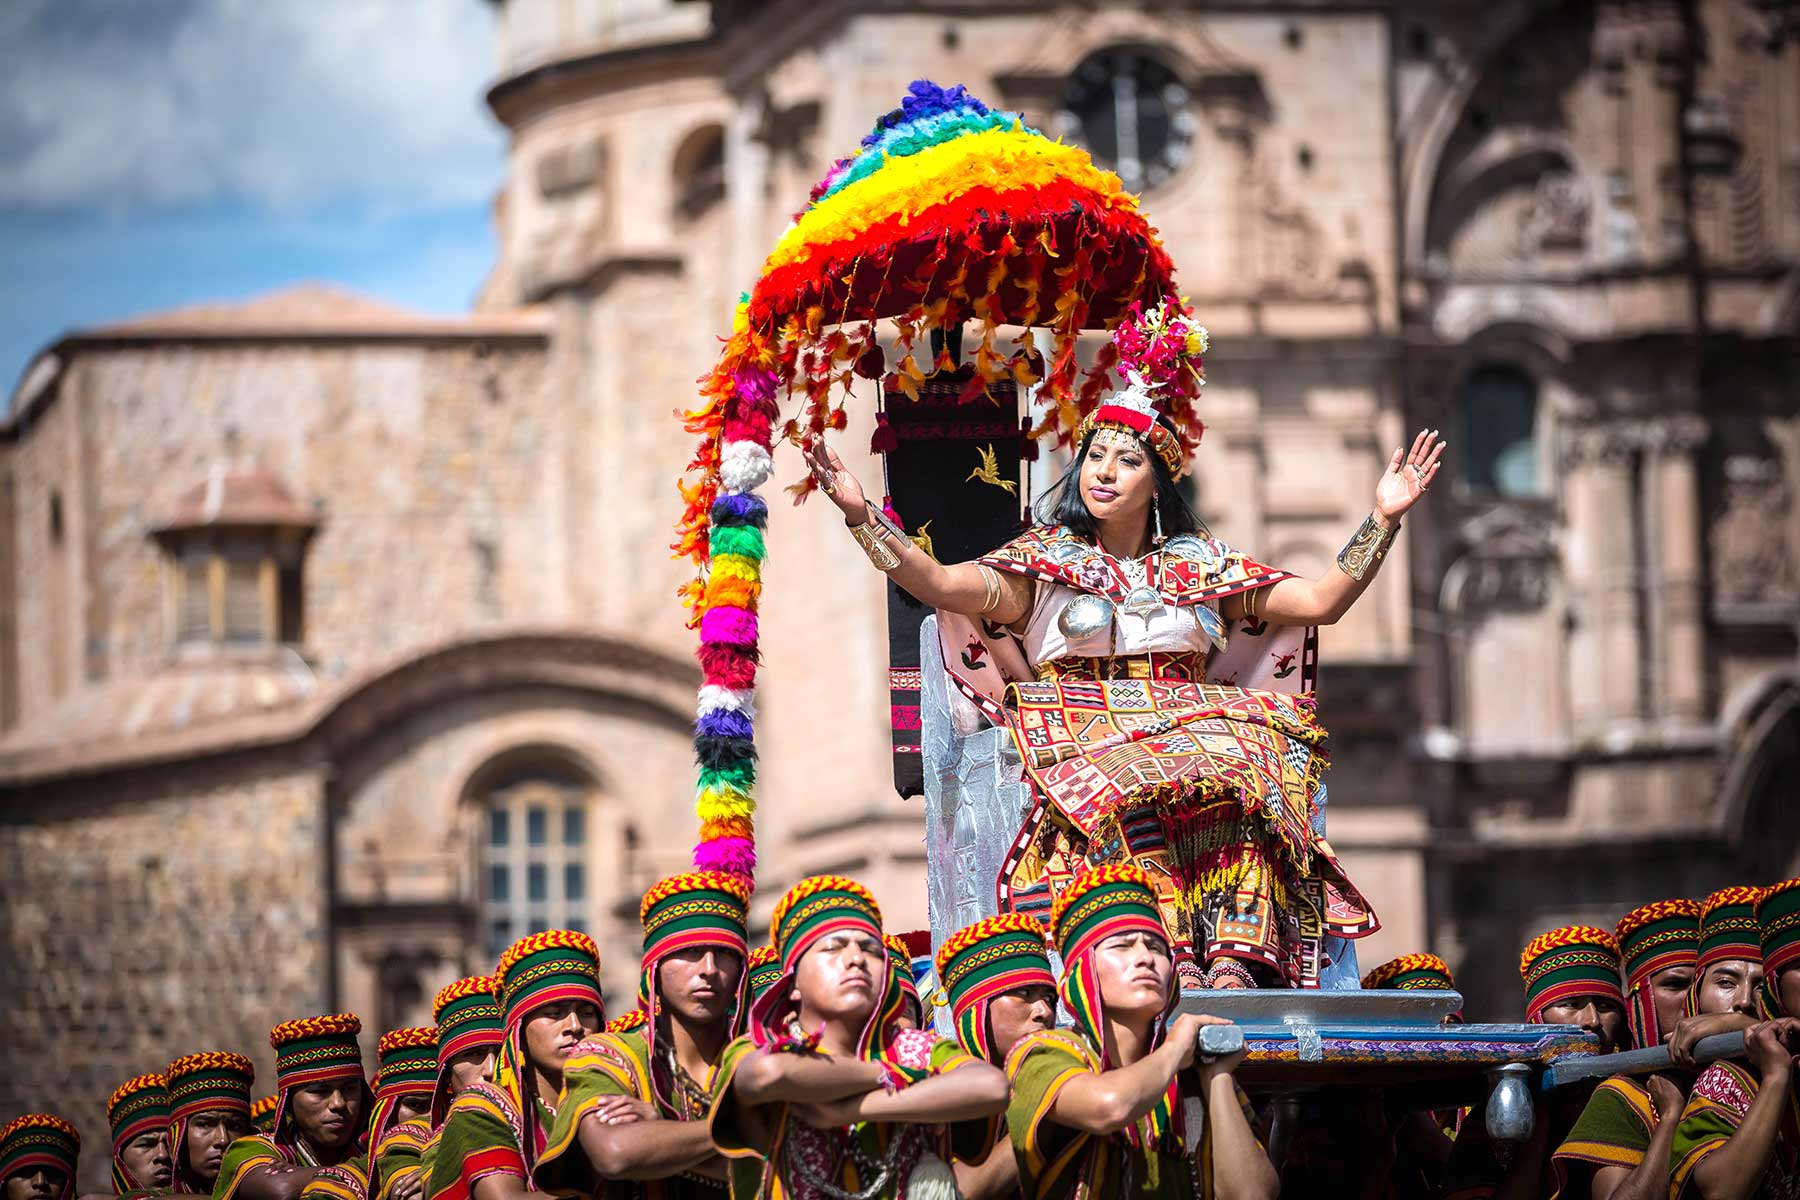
(948, 212)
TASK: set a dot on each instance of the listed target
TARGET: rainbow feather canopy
(948, 212)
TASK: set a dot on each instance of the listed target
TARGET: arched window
(1132, 113)
(534, 852)
(700, 172)
(1498, 409)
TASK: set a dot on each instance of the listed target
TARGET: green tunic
(1716, 1106)
(346, 1181)
(1056, 1161)
(247, 1153)
(1614, 1130)
(772, 1154)
(396, 1157)
(610, 1064)
(482, 1135)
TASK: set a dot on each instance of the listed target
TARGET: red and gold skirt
(1214, 790)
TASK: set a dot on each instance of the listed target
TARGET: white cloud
(281, 104)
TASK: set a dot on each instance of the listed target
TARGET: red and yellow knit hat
(1728, 928)
(762, 971)
(211, 1079)
(138, 1106)
(405, 1065)
(468, 1017)
(806, 912)
(1099, 903)
(1411, 973)
(544, 968)
(975, 964)
(1654, 938)
(1576, 960)
(693, 910)
(262, 1113)
(38, 1140)
(553, 967)
(900, 972)
(1778, 918)
(310, 1050)
(630, 1019)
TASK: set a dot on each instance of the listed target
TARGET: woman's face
(552, 1031)
(836, 977)
(1136, 972)
(1118, 481)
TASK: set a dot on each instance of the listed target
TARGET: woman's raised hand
(838, 484)
(1408, 474)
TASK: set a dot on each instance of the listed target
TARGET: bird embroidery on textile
(989, 471)
(922, 539)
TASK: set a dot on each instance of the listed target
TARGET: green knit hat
(1654, 938)
(1778, 917)
(467, 1013)
(204, 1082)
(558, 964)
(1728, 928)
(806, 912)
(40, 1140)
(1576, 960)
(994, 955)
(138, 1106)
(762, 971)
(699, 908)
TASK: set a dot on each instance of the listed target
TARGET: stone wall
(142, 919)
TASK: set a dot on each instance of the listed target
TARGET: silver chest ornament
(1085, 616)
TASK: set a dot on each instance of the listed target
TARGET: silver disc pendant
(1085, 616)
(1143, 602)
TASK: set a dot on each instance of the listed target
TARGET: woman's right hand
(835, 480)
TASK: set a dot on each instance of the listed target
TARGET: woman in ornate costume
(1133, 661)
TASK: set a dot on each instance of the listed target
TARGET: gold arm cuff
(869, 536)
(990, 584)
(1366, 548)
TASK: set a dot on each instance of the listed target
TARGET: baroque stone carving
(1752, 563)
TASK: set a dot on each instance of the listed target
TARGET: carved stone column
(1605, 654)
(1677, 590)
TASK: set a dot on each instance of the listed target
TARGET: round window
(1131, 113)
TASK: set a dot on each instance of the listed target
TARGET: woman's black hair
(1062, 503)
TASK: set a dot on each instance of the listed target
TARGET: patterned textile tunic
(775, 1157)
(616, 1064)
(482, 1135)
(1720, 1100)
(1167, 736)
(1057, 1162)
(256, 1150)
(396, 1156)
(1614, 1130)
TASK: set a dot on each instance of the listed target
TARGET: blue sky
(155, 153)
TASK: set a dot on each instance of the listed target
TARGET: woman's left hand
(1408, 474)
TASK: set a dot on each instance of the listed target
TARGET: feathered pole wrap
(948, 212)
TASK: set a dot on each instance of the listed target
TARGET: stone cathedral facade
(339, 646)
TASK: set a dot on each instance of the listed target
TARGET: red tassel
(872, 364)
(884, 440)
(887, 509)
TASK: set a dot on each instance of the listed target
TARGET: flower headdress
(1160, 353)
